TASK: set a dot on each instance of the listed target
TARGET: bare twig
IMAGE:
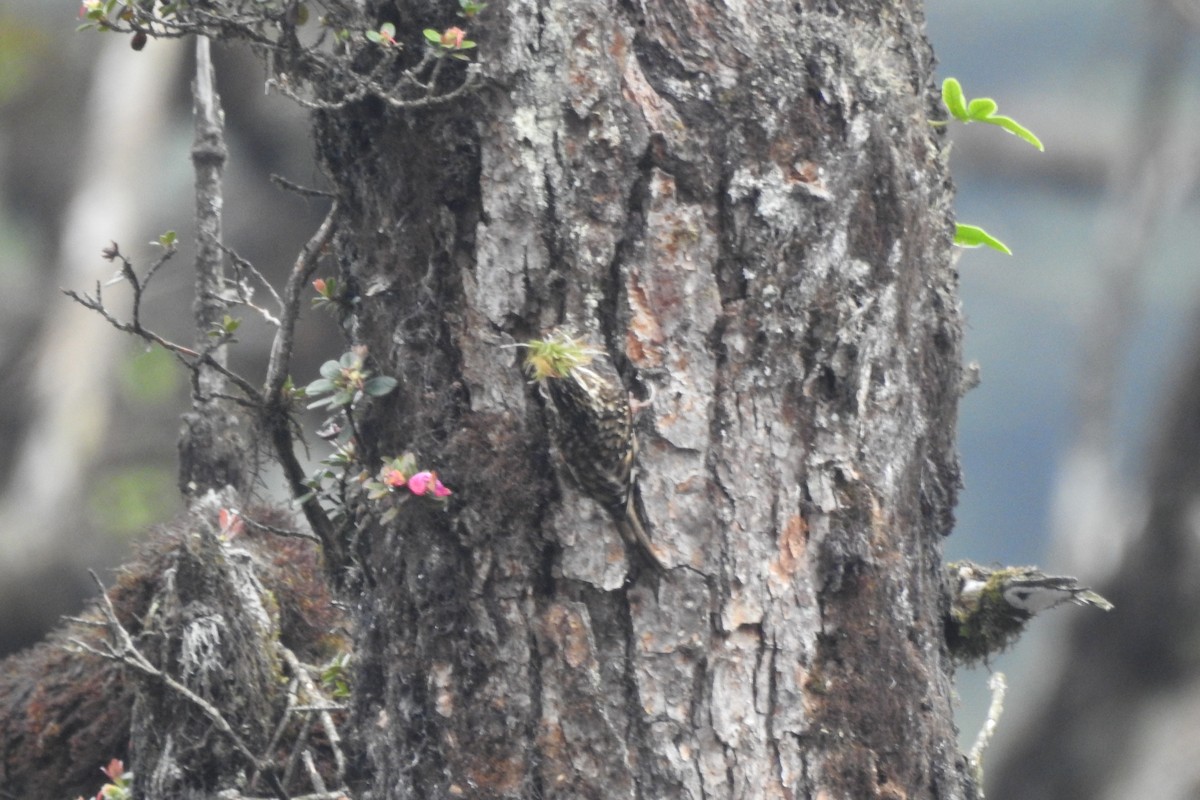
(244, 297)
(302, 271)
(998, 686)
(310, 767)
(262, 526)
(289, 769)
(295, 188)
(280, 727)
(331, 731)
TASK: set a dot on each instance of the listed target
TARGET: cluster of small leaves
(335, 677)
(451, 42)
(398, 480)
(469, 9)
(331, 295)
(120, 782)
(225, 329)
(385, 35)
(172, 19)
(344, 384)
(346, 381)
(332, 55)
(556, 355)
(981, 109)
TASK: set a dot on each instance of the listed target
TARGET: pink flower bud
(419, 483)
(453, 37)
(394, 477)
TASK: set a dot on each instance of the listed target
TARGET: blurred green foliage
(153, 377)
(20, 45)
(125, 501)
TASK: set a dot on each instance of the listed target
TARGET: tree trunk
(749, 210)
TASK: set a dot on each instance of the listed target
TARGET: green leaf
(331, 370)
(373, 36)
(974, 236)
(432, 36)
(952, 96)
(379, 385)
(318, 387)
(981, 108)
(167, 239)
(407, 464)
(1012, 126)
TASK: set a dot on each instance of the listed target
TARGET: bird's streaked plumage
(592, 425)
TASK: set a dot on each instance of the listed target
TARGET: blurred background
(1081, 447)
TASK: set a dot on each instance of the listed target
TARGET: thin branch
(244, 298)
(284, 719)
(303, 191)
(310, 766)
(294, 757)
(96, 304)
(262, 526)
(302, 271)
(998, 686)
(331, 731)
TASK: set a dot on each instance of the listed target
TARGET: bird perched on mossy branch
(989, 607)
(592, 425)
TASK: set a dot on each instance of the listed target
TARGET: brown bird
(592, 425)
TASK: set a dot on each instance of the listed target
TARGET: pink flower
(394, 477)
(453, 38)
(231, 525)
(422, 482)
(419, 483)
(319, 285)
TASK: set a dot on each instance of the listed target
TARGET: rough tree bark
(749, 209)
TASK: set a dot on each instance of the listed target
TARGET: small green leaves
(379, 385)
(330, 295)
(451, 41)
(470, 8)
(225, 328)
(168, 239)
(346, 381)
(556, 355)
(982, 109)
(335, 677)
(974, 236)
(386, 35)
(399, 473)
